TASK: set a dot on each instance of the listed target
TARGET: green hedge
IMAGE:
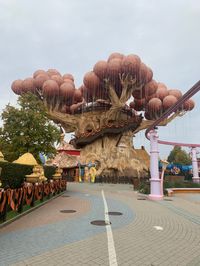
(13, 174)
(49, 171)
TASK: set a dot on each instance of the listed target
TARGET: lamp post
(155, 187)
(195, 169)
(164, 166)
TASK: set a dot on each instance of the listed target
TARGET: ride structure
(118, 98)
(152, 135)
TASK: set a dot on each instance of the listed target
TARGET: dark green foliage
(13, 174)
(27, 129)
(185, 184)
(144, 186)
(49, 171)
(179, 156)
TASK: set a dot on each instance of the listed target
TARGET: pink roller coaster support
(195, 177)
(155, 181)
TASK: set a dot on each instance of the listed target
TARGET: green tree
(179, 156)
(27, 129)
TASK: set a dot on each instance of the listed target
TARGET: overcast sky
(72, 36)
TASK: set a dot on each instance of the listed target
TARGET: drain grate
(65, 196)
(100, 222)
(168, 199)
(115, 213)
(67, 211)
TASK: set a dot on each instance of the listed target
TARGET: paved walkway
(147, 234)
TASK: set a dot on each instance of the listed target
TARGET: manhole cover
(65, 196)
(67, 211)
(100, 222)
(115, 213)
(141, 198)
(168, 199)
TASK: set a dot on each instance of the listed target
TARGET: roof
(63, 160)
(64, 146)
(26, 158)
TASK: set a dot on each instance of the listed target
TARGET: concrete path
(147, 233)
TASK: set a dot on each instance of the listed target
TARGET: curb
(30, 210)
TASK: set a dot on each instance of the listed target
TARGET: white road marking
(157, 227)
(111, 245)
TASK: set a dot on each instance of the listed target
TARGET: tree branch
(147, 123)
(69, 122)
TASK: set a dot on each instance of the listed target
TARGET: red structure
(67, 148)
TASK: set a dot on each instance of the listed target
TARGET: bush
(13, 174)
(144, 186)
(49, 171)
(185, 184)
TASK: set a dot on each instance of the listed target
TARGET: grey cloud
(72, 35)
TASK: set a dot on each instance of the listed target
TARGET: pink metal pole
(155, 181)
(195, 177)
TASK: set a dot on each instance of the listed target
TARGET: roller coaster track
(171, 110)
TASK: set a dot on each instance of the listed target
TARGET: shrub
(144, 186)
(49, 171)
(13, 174)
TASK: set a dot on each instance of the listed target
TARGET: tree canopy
(27, 129)
(179, 156)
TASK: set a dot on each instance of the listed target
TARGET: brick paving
(48, 237)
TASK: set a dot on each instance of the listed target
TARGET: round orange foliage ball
(142, 75)
(139, 104)
(148, 98)
(50, 88)
(39, 72)
(149, 74)
(17, 86)
(91, 81)
(188, 105)
(147, 115)
(154, 105)
(132, 104)
(100, 69)
(176, 93)
(78, 96)
(115, 56)
(67, 90)
(168, 101)
(28, 85)
(150, 88)
(58, 79)
(68, 76)
(114, 67)
(138, 93)
(52, 72)
(161, 85)
(161, 92)
(40, 79)
(69, 81)
(131, 64)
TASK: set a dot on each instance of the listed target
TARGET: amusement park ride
(99, 114)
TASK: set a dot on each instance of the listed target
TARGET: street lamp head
(164, 164)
